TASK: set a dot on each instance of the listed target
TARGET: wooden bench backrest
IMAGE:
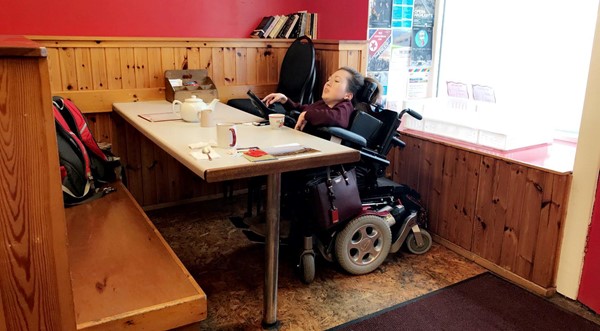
(95, 72)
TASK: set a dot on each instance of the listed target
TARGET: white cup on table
(276, 121)
(226, 135)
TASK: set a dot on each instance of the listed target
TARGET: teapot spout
(213, 104)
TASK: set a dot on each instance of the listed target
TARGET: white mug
(226, 135)
(276, 121)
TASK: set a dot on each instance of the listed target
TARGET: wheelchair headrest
(366, 92)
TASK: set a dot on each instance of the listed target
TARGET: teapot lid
(193, 98)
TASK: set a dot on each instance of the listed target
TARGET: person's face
(336, 88)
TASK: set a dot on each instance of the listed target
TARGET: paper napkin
(198, 155)
(202, 144)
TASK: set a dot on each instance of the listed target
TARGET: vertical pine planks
(206, 60)
(98, 69)
(113, 68)
(54, 69)
(506, 213)
(241, 70)
(140, 67)
(229, 66)
(155, 72)
(218, 76)
(83, 69)
(68, 69)
(193, 57)
(550, 232)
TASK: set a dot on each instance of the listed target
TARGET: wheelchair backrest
(383, 124)
(366, 126)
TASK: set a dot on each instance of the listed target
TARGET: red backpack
(84, 167)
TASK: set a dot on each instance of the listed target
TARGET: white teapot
(190, 108)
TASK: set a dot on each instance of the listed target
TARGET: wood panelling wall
(96, 72)
(506, 213)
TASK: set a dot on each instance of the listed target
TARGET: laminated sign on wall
(379, 49)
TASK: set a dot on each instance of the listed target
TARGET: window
(535, 54)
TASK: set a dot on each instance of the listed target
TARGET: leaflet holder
(182, 84)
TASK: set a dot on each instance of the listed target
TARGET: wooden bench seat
(124, 274)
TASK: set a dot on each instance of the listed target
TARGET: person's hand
(301, 122)
(274, 97)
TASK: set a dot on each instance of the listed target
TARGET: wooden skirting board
(528, 285)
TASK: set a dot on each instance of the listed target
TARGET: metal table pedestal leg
(271, 252)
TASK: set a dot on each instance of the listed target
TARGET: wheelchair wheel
(363, 244)
(413, 247)
(307, 268)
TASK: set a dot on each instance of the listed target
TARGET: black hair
(357, 84)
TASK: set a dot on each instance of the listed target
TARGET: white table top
(175, 136)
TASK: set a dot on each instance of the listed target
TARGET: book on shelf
(271, 26)
(259, 32)
(288, 26)
(313, 31)
(278, 26)
(300, 26)
(288, 21)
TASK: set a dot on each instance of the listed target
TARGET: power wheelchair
(391, 217)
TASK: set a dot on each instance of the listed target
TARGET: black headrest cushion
(366, 92)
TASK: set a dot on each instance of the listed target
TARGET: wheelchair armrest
(345, 135)
(374, 156)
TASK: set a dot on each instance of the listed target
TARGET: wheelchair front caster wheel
(307, 268)
(413, 247)
(363, 244)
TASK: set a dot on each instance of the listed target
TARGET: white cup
(226, 135)
(276, 120)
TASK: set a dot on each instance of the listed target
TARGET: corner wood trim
(496, 269)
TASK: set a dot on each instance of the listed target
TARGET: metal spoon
(206, 150)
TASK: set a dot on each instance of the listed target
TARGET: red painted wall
(175, 18)
(589, 289)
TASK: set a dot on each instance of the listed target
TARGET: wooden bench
(124, 274)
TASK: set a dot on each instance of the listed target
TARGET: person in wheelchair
(336, 105)
(390, 217)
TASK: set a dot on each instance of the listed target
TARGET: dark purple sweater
(319, 114)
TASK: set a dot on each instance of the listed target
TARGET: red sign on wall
(379, 41)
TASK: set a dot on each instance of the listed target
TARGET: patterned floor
(229, 268)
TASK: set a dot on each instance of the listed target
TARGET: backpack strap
(81, 127)
(60, 120)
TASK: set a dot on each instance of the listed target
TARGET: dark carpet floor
(484, 302)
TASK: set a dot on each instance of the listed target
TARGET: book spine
(288, 33)
(278, 27)
(285, 27)
(260, 28)
(271, 26)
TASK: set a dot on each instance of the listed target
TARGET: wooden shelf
(124, 274)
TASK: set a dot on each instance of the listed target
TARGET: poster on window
(421, 52)
(423, 13)
(402, 14)
(418, 81)
(379, 49)
(380, 13)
